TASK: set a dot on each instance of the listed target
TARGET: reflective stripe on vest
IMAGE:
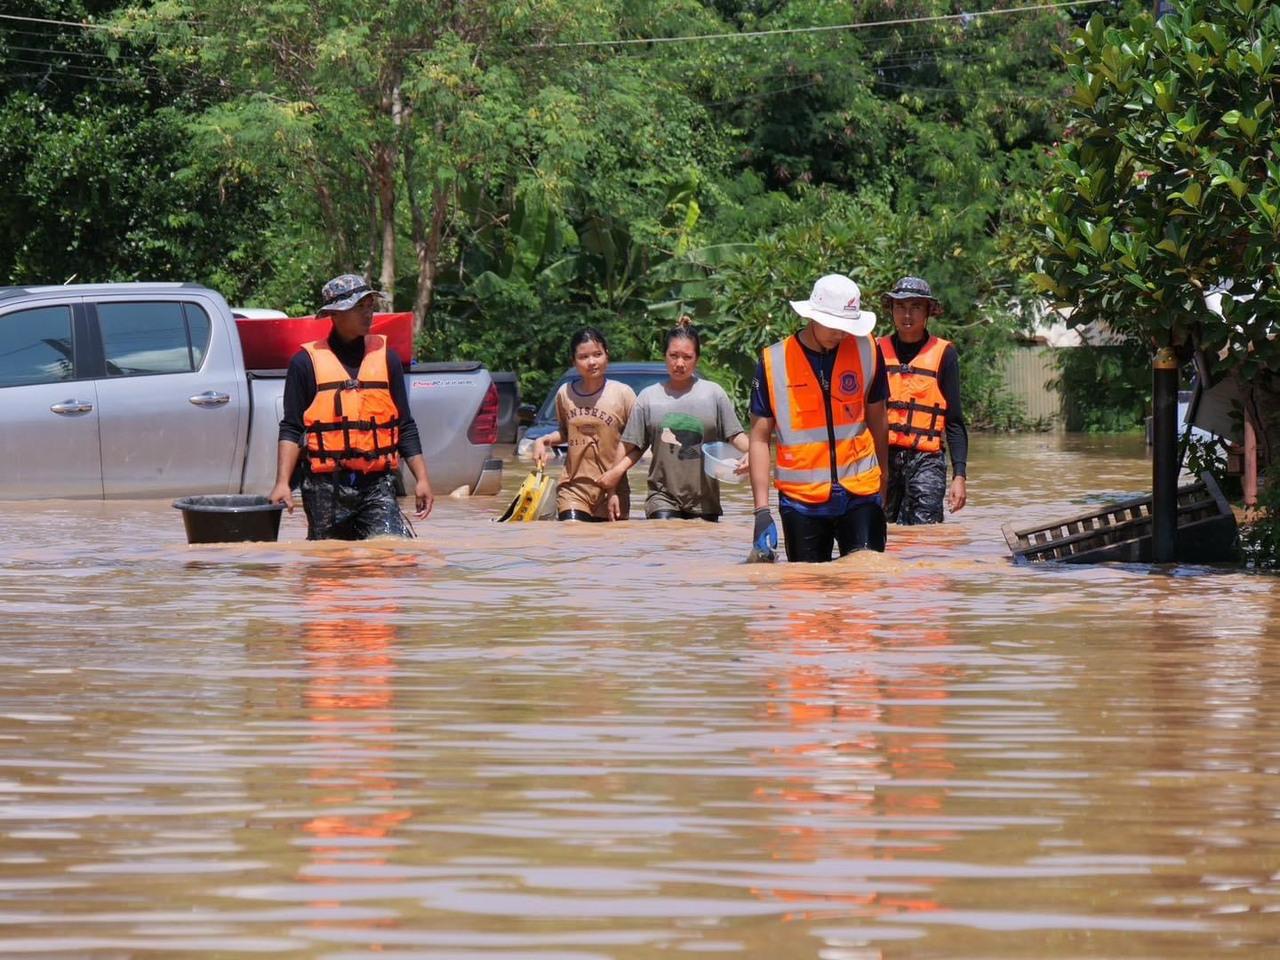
(805, 435)
(353, 423)
(917, 407)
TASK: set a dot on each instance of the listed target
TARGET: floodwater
(581, 742)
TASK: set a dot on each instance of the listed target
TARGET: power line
(965, 17)
(56, 23)
(863, 25)
(954, 92)
(51, 75)
(117, 74)
(764, 94)
(45, 63)
(929, 57)
(892, 60)
(74, 53)
(893, 57)
(919, 44)
(85, 24)
(873, 76)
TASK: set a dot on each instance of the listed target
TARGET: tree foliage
(1107, 388)
(1169, 189)
(1170, 184)
(91, 182)
(512, 170)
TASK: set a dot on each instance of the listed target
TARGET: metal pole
(1164, 459)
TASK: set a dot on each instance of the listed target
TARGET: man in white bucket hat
(822, 391)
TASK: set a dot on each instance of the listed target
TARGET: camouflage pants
(338, 510)
(917, 486)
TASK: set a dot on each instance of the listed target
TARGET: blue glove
(766, 532)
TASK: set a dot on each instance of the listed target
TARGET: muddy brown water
(580, 742)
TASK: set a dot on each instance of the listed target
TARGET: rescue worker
(924, 407)
(823, 391)
(346, 417)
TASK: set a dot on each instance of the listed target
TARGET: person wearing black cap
(924, 409)
(347, 418)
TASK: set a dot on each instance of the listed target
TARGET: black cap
(912, 288)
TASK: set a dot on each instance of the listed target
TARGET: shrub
(1260, 536)
(1105, 389)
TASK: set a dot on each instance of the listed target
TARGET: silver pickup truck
(140, 390)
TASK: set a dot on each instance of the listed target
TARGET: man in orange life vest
(924, 407)
(346, 416)
(823, 392)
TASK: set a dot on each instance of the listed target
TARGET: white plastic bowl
(720, 460)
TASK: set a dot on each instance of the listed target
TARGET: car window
(637, 381)
(548, 411)
(200, 330)
(35, 346)
(141, 339)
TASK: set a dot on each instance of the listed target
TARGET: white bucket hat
(836, 302)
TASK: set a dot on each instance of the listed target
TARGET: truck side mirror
(525, 414)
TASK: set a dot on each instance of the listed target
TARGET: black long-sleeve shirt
(300, 390)
(949, 384)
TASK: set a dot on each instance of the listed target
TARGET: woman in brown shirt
(592, 412)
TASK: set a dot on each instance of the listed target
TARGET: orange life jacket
(352, 424)
(917, 408)
(815, 440)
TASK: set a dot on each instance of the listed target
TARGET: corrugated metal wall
(1026, 371)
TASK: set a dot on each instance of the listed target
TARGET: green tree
(513, 171)
(1169, 187)
(92, 158)
(739, 293)
(385, 124)
(1105, 389)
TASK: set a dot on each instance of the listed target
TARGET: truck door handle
(209, 398)
(72, 406)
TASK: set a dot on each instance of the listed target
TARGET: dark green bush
(1105, 389)
(1260, 536)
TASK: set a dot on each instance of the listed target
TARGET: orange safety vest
(816, 440)
(917, 408)
(352, 424)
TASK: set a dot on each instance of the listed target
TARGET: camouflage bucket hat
(912, 288)
(344, 292)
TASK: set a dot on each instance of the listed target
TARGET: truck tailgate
(443, 397)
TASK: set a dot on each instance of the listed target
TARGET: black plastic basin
(229, 518)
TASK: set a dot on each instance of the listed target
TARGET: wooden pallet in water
(1121, 532)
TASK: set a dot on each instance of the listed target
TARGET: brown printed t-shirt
(591, 424)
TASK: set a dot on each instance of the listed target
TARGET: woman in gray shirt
(675, 418)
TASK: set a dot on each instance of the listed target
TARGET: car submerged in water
(637, 374)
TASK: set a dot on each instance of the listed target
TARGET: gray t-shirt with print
(676, 426)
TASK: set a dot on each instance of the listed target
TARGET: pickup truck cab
(140, 390)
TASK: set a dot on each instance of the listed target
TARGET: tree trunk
(428, 251)
(374, 232)
(341, 252)
(427, 237)
(386, 176)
